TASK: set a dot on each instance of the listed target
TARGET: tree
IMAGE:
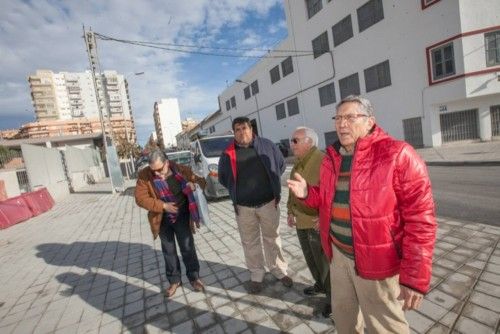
(151, 145)
(125, 149)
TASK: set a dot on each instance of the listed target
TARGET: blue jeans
(181, 231)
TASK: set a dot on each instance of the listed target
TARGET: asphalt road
(469, 193)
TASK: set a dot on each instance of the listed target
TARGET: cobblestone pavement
(90, 265)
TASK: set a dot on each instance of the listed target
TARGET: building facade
(430, 67)
(120, 127)
(167, 119)
(65, 103)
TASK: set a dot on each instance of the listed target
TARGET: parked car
(284, 149)
(207, 151)
(181, 157)
(141, 162)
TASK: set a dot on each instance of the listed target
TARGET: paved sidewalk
(90, 265)
(463, 153)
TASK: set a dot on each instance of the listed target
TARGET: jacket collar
(307, 157)
(376, 134)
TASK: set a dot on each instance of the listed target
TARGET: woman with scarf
(165, 189)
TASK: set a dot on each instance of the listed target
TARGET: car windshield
(183, 158)
(213, 147)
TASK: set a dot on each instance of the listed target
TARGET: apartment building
(167, 119)
(430, 67)
(67, 95)
(65, 103)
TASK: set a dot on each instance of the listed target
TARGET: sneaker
(327, 311)
(254, 287)
(172, 289)
(286, 281)
(198, 285)
(312, 290)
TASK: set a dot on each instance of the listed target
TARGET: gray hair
(365, 106)
(309, 133)
(156, 155)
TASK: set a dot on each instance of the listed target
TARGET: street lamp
(256, 103)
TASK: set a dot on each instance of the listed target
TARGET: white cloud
(44, 34)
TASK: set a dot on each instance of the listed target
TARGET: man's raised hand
(298, 186)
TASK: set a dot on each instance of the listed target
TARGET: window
(313, 6)
(275, 74)
(246, 92)
(342, 31)
(280, 111)
(443, 61)
(378, 76)
(369, 14)
(327, 94)
(233, 102)
(255, 87)
(331, 137)
(228, 105)
(287, 66)
(427, 3)
(211, 129)
(292, 106)
(492, 41)
(320, 44)
(349, 85)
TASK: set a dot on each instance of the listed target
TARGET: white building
(167, 120)
(70, 95)
(430, 67)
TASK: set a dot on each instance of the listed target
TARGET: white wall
(11, 184)
(402, 38)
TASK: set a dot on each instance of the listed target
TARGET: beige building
(65, 104)
(121, 127)
(43, 94)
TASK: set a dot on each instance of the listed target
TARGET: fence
(10, 159)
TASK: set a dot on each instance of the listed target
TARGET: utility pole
(91, 47)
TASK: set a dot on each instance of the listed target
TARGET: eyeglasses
(351, 118)
(296, 140)
(159, 170)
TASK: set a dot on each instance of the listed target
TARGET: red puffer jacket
(392, 209)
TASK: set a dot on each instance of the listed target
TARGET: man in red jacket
(377, 222)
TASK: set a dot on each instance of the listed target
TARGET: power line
(202, 46)
(179, 48)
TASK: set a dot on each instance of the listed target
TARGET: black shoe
(312, 290)
(254, 287)
(327, 311)
(286, 281)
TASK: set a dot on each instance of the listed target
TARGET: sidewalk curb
(463, 163)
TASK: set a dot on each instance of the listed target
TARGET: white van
(206, 154)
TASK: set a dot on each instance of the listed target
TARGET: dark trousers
(181, 231)
(317, 262)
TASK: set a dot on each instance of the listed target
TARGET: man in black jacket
(250, 168)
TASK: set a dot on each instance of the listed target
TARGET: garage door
(412, 128)
(460, 125)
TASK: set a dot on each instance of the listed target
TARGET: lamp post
(256, 103)
(130, 114)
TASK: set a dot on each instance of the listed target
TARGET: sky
(47, 34)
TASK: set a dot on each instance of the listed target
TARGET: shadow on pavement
(127, 281)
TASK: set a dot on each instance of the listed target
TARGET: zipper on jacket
(350, 211)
